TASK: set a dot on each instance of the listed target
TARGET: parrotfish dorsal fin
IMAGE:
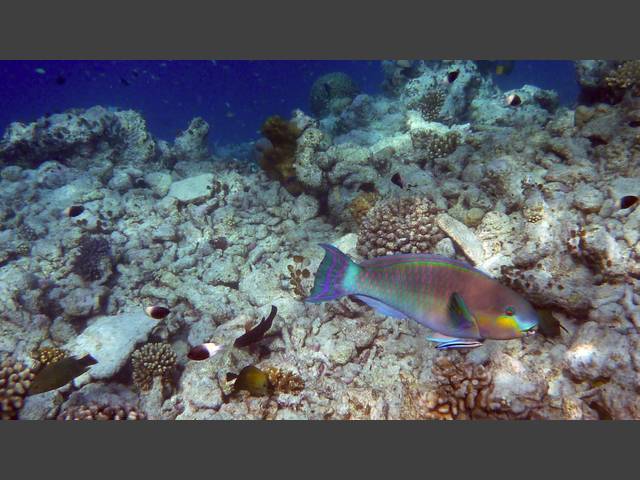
(461, 317)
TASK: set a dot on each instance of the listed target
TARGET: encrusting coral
(95, 411)
(277, 160)
(152, 360)
(15, 380)
(403, 225)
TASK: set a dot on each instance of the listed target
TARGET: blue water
(235, 97)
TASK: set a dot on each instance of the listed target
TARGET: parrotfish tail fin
(448, 343)
(330, 278)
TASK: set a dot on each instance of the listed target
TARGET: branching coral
(15, 380)
(626, 76)
(404, 225)
(284, 381)
(430, 104)
(278, 159)
(152, 360)
(464, 391)
(94, 254)
(361, 204)
(95, 411)
(434, 145)
(48, 355)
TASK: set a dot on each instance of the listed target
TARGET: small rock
(110, 340)
(192, 190)
(159, 182)
(462, 236)
(588, 199)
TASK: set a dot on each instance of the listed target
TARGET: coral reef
(404, 225)
(152, 360)
(101, 412)
(15, 379)
(529, 193)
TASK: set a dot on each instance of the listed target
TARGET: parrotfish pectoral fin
(448, 343)
(329, 283)
(461, 317)
(381, 307)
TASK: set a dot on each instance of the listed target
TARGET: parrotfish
(463, 305)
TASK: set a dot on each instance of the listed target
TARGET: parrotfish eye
(509, 311)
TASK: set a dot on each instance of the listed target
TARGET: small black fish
(628, 201)
(157, 312)
(451, 76)
(548, 325)
(257, 333)
(327, 89)
(124, 81)
(60, 80)
(396, 179)
(58, 374)
(74, 210)
(513, 100)
(252, 380)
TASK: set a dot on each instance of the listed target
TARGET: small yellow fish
(252, 380)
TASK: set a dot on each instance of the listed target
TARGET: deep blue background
(235, 97)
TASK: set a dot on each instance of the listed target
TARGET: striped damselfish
(462, 304)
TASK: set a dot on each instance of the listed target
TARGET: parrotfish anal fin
(447, 343)
(461, 317)
(381, 307)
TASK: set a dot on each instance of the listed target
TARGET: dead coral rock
(405, 225)
(596, 353)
